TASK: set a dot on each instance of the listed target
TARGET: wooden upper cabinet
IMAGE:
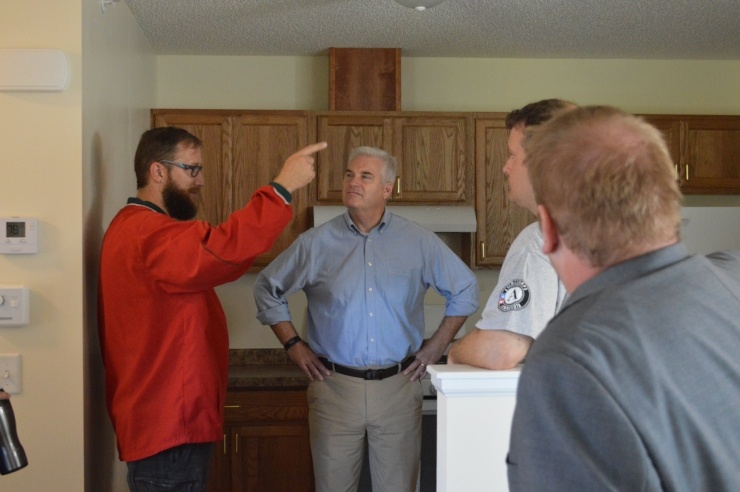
(342, 134)
(262, 143)
(433, 159)
(432, 150)
(365, 79)
(243, 150)
(499, 220)
(705, 150)
(710, 160)
(443, 158)
(670, 127)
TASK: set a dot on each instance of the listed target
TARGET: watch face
(15, 229)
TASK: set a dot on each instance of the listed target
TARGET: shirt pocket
(398, 282)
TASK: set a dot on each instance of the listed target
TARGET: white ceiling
(647, 29)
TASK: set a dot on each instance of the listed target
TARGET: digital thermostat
(18, 235)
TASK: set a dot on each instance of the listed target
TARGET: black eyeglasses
(194, 170)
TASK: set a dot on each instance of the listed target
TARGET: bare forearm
(432, 349)
(490, 349)
(284, 331)
(448, 328)
(300, 353)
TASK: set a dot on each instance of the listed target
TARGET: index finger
(312, 149)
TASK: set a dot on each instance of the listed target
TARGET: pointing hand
(298, 170)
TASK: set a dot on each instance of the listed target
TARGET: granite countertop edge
(263, 369)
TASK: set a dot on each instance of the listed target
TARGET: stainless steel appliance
(12, 454)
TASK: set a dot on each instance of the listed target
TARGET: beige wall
(66, 157)
(41, 135)
(640, 86)
(243, 82)
(119, 77)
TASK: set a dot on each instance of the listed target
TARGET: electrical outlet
(10, 373)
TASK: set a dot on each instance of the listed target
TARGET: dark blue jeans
(183, 468)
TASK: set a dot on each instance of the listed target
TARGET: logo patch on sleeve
(514, 296)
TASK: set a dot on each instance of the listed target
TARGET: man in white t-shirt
(528, 292)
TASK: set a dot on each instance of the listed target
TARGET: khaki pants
(342, 409)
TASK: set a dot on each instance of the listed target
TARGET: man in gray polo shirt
(634, 384)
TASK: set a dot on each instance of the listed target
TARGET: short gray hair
(389, 162)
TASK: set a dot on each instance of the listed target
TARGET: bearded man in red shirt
(162, 328)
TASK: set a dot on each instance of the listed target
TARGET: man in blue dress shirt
(365, 274)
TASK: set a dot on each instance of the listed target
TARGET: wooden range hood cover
(365, 79)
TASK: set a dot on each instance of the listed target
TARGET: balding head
(607, 180)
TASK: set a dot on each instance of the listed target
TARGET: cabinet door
(269, 458)
(215, 130)
(268, 442)
(433, 159)
(220, 476)
(261, 144)
(499, 220)
(343, 133)
(710, 163)
(670, 127)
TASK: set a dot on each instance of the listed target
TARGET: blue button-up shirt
(365, 292)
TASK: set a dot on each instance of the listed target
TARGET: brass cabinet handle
(678, 174)
(236, 444)
(224, 443)
(482, 250)
(232, 406)
(398, 185)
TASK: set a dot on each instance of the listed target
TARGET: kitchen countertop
(251, 369)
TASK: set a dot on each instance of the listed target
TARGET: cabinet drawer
(266, 406)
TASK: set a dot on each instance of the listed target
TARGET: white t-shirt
(529, 292)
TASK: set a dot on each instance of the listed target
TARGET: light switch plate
(14, 309)
(10, 373)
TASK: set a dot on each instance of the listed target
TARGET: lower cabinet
(266, 443)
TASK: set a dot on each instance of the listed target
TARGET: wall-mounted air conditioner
(33, 70)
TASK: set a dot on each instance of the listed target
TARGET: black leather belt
(369, 374)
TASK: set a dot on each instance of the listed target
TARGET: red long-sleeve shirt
(162, 329)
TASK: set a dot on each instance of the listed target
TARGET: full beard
(180, 205)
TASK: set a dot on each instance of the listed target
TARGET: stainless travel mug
(12, 455)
